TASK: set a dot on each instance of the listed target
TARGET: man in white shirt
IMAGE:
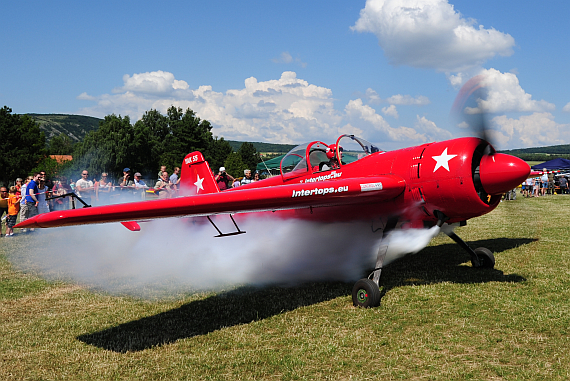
(84, 187)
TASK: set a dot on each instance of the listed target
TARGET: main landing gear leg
(366, 292)
(480, 257)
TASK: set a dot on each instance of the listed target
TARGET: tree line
(144, 146)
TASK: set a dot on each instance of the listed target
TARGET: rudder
(196, 176)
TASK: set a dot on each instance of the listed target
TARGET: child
(13, 209)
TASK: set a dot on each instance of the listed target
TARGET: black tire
(485, 257)
(365, 293)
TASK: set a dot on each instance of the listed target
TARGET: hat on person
(138, 174)
(127, 169)
(222, 169)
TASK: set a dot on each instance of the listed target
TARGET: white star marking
(442, 160)
(199, 184)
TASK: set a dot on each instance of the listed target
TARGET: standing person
(139, 182)
(103, 191)
(174, 180)
(31, 198)
(247, 179)
(13, 209)
(3, 206)
(528, 190)
(163, 186)
(43, 206)
(126, 180)
(536, 186)
(19, 183)
(23, 205)
(563, 185)
(236, 183)
(543, 182)
(84, 187)
(162, 169)
(222, 179)
(551, 183)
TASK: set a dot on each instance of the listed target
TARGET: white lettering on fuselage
(319, 191)
(332, 175)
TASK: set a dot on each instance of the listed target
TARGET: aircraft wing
(291, 196)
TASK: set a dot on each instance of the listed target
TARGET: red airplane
(431, 184)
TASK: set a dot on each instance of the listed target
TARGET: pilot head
(331, 151)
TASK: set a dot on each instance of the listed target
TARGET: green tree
(60, 145)
(249, 155)
(221, 149)
(22, 145)
(234, 165)
(107, 149)
(188, 133)
(150, 134)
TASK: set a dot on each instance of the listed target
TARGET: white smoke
(410, 241)
(173, 256)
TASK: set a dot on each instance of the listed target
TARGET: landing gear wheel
(485, 257)
(365, 293)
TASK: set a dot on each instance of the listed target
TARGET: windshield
(294, 163)
(353, 148)
(318, 156)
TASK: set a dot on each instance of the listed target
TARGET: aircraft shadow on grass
(434, 264)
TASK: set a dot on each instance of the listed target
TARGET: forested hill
(74, 126)
(265, 147)
(77, 126)
(541, 153)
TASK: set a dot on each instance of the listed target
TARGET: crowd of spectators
(37, 194)
(546, 184)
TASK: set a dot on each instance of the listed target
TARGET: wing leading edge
(293, 196)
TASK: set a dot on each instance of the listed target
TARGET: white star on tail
(199, 184)
(443, 160)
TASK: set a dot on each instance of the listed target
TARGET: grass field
(439, 319)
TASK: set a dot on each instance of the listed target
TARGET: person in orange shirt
(13, 210)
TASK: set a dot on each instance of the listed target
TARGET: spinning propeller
(497, 173)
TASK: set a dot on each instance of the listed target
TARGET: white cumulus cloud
(390, 111)
(156, 82)
(505, 94)
(287, 58)
(566, 108)
(431, 34)
(408, 100)
(283, 110)
(537, 129)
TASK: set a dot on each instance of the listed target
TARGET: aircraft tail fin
(196, 176)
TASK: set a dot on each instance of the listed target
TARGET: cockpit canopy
(316, 156)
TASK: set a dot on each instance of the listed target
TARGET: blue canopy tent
(552, 165)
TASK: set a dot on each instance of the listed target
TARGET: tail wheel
(485, 257)
(365, 293)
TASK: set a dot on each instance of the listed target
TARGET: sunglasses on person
(84, 174)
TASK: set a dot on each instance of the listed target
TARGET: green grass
(439, 318)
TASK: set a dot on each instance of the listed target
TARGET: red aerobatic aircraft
(431, 184)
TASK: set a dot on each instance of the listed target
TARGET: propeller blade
(469, 110)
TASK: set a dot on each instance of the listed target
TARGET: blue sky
(293, 71)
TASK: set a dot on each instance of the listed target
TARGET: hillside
(265, 147)
(74, 126)
(77, 126)
(541, 153)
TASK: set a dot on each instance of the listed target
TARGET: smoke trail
(180, 255)
(410, 241)
(173, 256)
